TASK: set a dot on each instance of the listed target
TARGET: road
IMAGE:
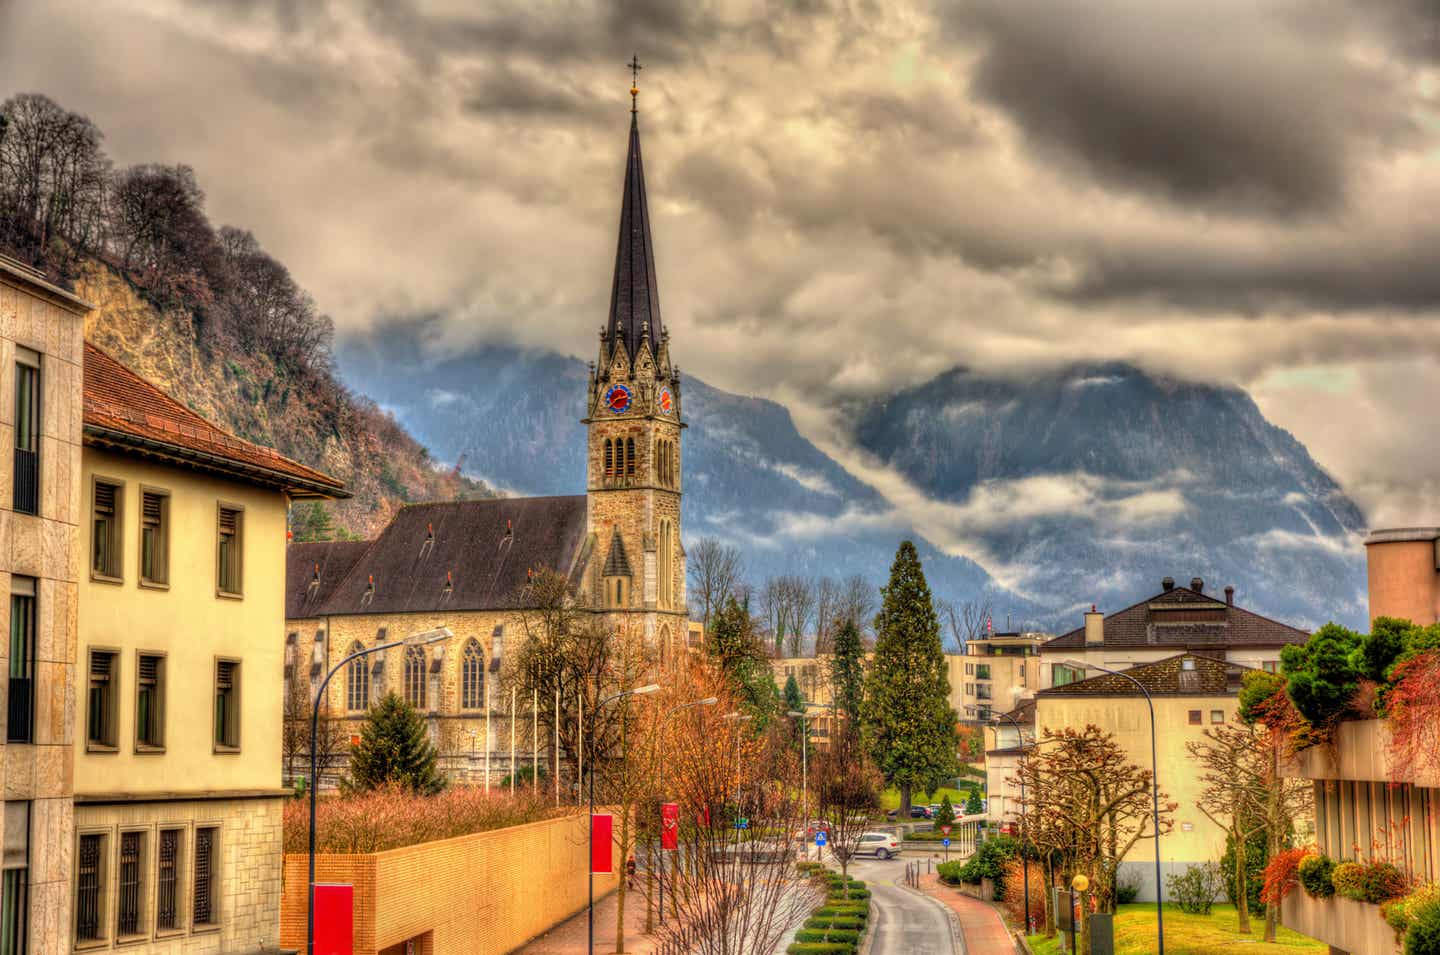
(905, 923)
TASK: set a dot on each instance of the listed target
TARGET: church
(465, 564)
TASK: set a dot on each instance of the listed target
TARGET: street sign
(820, 837)
(946, 841)
(742, 823)
(944, 830)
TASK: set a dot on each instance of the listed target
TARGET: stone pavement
(568, 938)
(980, 925)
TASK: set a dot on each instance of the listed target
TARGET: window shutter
(228, 520)
(104, 498)
(150, 505)
(100, 666)
(225, 675)
(149, 669)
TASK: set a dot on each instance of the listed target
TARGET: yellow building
(178, 796)
(41, 341)
(995, 674)
(1190, 692)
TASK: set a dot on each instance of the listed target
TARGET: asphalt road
(905, 923)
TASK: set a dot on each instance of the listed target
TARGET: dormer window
(1188, 663)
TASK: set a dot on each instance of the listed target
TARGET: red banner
(334, 919)
(670, 825)
(602, 854)
(702, 818)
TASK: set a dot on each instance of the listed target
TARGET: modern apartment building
(995, 674)
(176, 764)
(41, 341)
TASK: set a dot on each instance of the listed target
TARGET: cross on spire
(635, 69)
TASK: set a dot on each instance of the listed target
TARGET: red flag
(334, 919)
(602, 855)
(702, 818)
(670, 825)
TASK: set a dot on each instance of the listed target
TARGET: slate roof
(486, 547)
(313, 570)
(634, 293)
(1184, 619)
(125, 411)
(1167, 677)
(617, 564)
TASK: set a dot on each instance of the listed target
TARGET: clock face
(617, 399)
(666, 401)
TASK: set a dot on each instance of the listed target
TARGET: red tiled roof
(119, 402)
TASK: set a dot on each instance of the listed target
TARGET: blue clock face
(618, 399)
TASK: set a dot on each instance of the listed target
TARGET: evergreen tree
(394, 749)
(946, 815)
(735, 648)
(908, 721)
(847, 673)
(312, 522)
(974, 805)
(794, 703)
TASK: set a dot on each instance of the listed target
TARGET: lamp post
(590, 836)
(805, 762)
(1154, 791)
(707, 701)
(423, 638)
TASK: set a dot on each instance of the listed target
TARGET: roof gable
(1181, 618)
(1185, 674)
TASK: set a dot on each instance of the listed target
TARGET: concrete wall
(482, 894)
(1348, 926)
(45, 547)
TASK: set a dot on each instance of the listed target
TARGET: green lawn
(890, 798)
(1213, 934)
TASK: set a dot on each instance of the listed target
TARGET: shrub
(989, 859)
(1321, 675)
(846, 935)
(1315, 873)
(1281, 875)
(1128, 890)
(820, 948)
(1257, 855)
(1383, 882)
(1398, 913)
(1423, 938)
(1015, 895)
(949, 872)
(1194, 890)
(1349, 880)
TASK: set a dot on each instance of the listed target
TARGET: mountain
(512, 417)
(1090, 483)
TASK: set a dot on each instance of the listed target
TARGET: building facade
(41, 352)
(176, 765)
(996, 673)
(466, 565)
(1402, 565)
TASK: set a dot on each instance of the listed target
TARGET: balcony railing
(27, 481)
(20, 711)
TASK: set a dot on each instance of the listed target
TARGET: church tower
(633, 473)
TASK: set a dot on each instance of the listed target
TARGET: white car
(882, 845)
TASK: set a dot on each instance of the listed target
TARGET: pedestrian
(630, 873)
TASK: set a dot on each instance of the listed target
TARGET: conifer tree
(733, 645)
(909, 724)
(974, 806)
(394, 749)
(847, 672)
(794, 703)
(946, 815)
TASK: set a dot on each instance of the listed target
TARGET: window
(472, 677)
(969, 669)
(229, 561)
(154, 537)
(105, 529)
(20, 706)
(227, 704)
(100, 715)
(15, 879)
(666, 573)
(415, 677)
(357, 682)
(1217, 716)
(150, 702)
(630, 457)
(1061, 675)
(27, 431)
(1188, 663)
(982, 671)
(204, 908)
(131, 895)
(89, 894)
(609, 458)
(1270, 666)
(167, 895)
(1194, 717)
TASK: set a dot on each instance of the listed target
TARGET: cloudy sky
(847, 197)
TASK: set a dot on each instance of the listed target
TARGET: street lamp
(1154, 789)
(708, 701)
(805, 761)
(590, 838)
(423, 638)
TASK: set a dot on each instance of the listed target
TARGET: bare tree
(857, 603)
(333, 743)
(715, 572)
(847, 786)
(964, 622)
(267, 309)
(162, 235)
(828, 594)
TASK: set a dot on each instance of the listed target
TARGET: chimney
(1229, 596)
(1094, 628)
(1167, 584)
(1197, 585)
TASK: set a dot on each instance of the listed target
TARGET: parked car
(916, 812)
(807, 834)
(882, 845)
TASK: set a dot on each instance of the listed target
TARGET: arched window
(674, 465)
(665, 565)
(630, 456)
(415, 677)
(609, 458)
(357, 682)
(664, 462)
(472, 677)
(665, 647)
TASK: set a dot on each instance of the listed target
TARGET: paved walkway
(568, 938)
(980, 925)
(903, 923)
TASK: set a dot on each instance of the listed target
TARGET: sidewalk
(568, 938)
(980, 925)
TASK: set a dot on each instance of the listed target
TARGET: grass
(890, 798)
(1213, 934)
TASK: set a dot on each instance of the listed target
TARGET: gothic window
(415, 677)
(472, 677)
(630, 456)
(609, 458)
(666, 573)
(674, 465)
(357, 682)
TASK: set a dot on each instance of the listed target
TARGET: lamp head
(708, 701)
(645, 690)
(1076, 664)
(425, 637)
(796, 713)
(1080, 883)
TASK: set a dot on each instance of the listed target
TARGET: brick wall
(482, 894)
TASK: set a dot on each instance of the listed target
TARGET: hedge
(820, 948)
(847, 935)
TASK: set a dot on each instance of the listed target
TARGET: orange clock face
(666, 401)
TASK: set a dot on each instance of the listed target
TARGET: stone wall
(482, 894)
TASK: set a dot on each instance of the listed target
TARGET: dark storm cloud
(1248, 107)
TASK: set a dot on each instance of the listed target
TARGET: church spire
(634, 294)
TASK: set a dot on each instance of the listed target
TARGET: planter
(1344, 924)
(1360, 751)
